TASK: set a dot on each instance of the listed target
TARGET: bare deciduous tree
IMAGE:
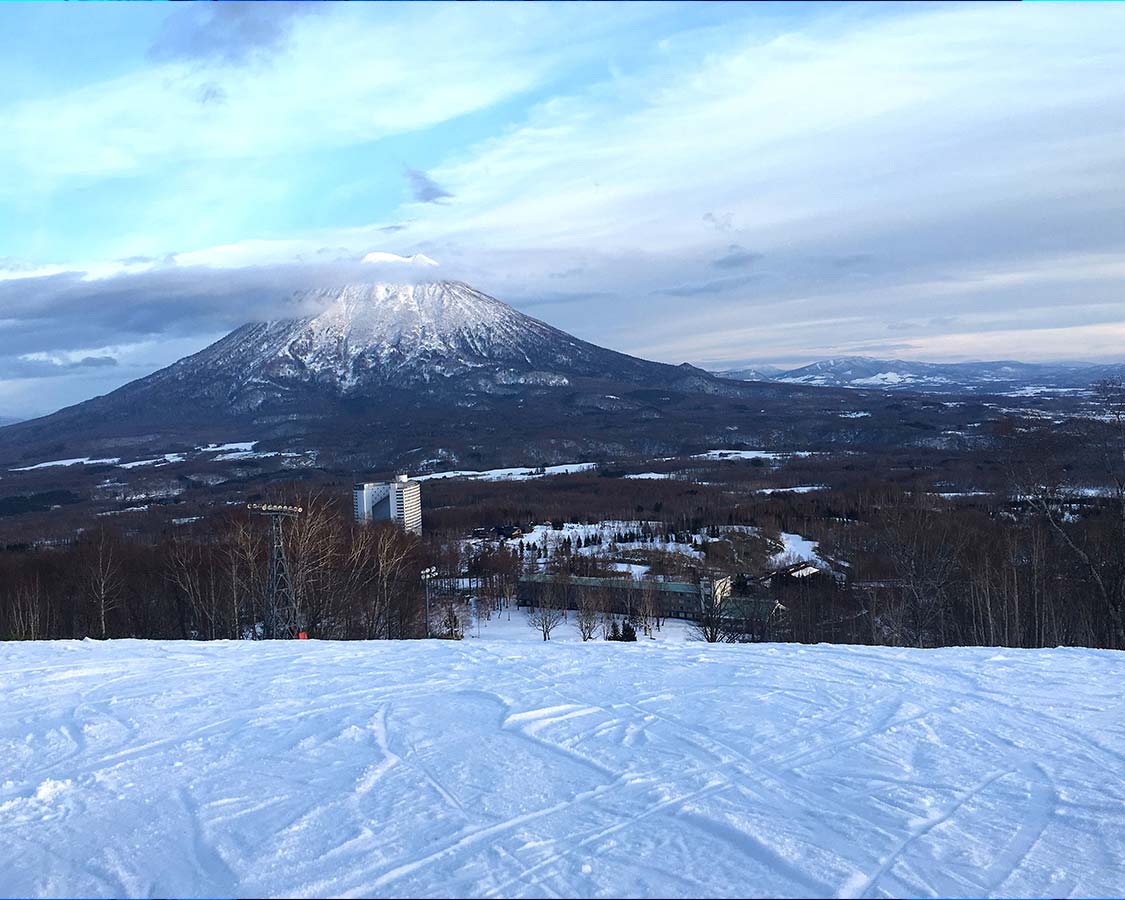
(547, 612)
(27, 612)
(102, 575)
(588, 614)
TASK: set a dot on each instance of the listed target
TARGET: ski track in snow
(512, 767)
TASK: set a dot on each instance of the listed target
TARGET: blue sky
(716, 183)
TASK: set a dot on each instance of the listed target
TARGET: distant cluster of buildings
(398, 501)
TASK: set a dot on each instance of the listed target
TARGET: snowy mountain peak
(446, 317)
(407, 332)
(368, 335)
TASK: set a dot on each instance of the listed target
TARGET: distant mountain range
(1003, 377)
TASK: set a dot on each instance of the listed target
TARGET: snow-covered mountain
(430, 337)
(1002, 377)
(379, 365)
(752, 373)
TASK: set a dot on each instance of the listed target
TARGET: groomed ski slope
(516, 768)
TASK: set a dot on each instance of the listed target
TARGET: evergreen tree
(628, 632)
(614, 631)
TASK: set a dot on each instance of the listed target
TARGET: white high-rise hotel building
(398, 501)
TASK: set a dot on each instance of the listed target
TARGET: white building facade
(398, 501)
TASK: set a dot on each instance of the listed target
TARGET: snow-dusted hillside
(517, 768)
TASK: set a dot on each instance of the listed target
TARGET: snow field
(799, 489)
(234, 450)
(544, 535)
(516, 768)
(794, 548)
(518, 473)
(750, 454)
(77, 461)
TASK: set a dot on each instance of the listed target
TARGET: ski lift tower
(283, 619)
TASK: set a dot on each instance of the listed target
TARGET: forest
(1036, 560)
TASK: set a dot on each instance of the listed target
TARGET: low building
(398, 501)
(671, 599)
(800, 569)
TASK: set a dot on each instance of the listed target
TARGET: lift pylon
(283, 618)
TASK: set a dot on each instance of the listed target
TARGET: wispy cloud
(227, 32)
(736, 257)
(715, 286)
(343, 77)
(423, 188)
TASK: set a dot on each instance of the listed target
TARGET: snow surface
(426, 330)
(884, 378)
(522, 768)
(252, 454)
(127, 509)
(637, 570)
(77, 461)
(232, 450)
(365, 338)
(794, 548)
(750, 454)
(158, 461)
(230, 446)
(518, 473)
(546, 535)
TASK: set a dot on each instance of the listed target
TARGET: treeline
(927, 574)
(209, 581)
(1043, 570)
(1039, 561)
